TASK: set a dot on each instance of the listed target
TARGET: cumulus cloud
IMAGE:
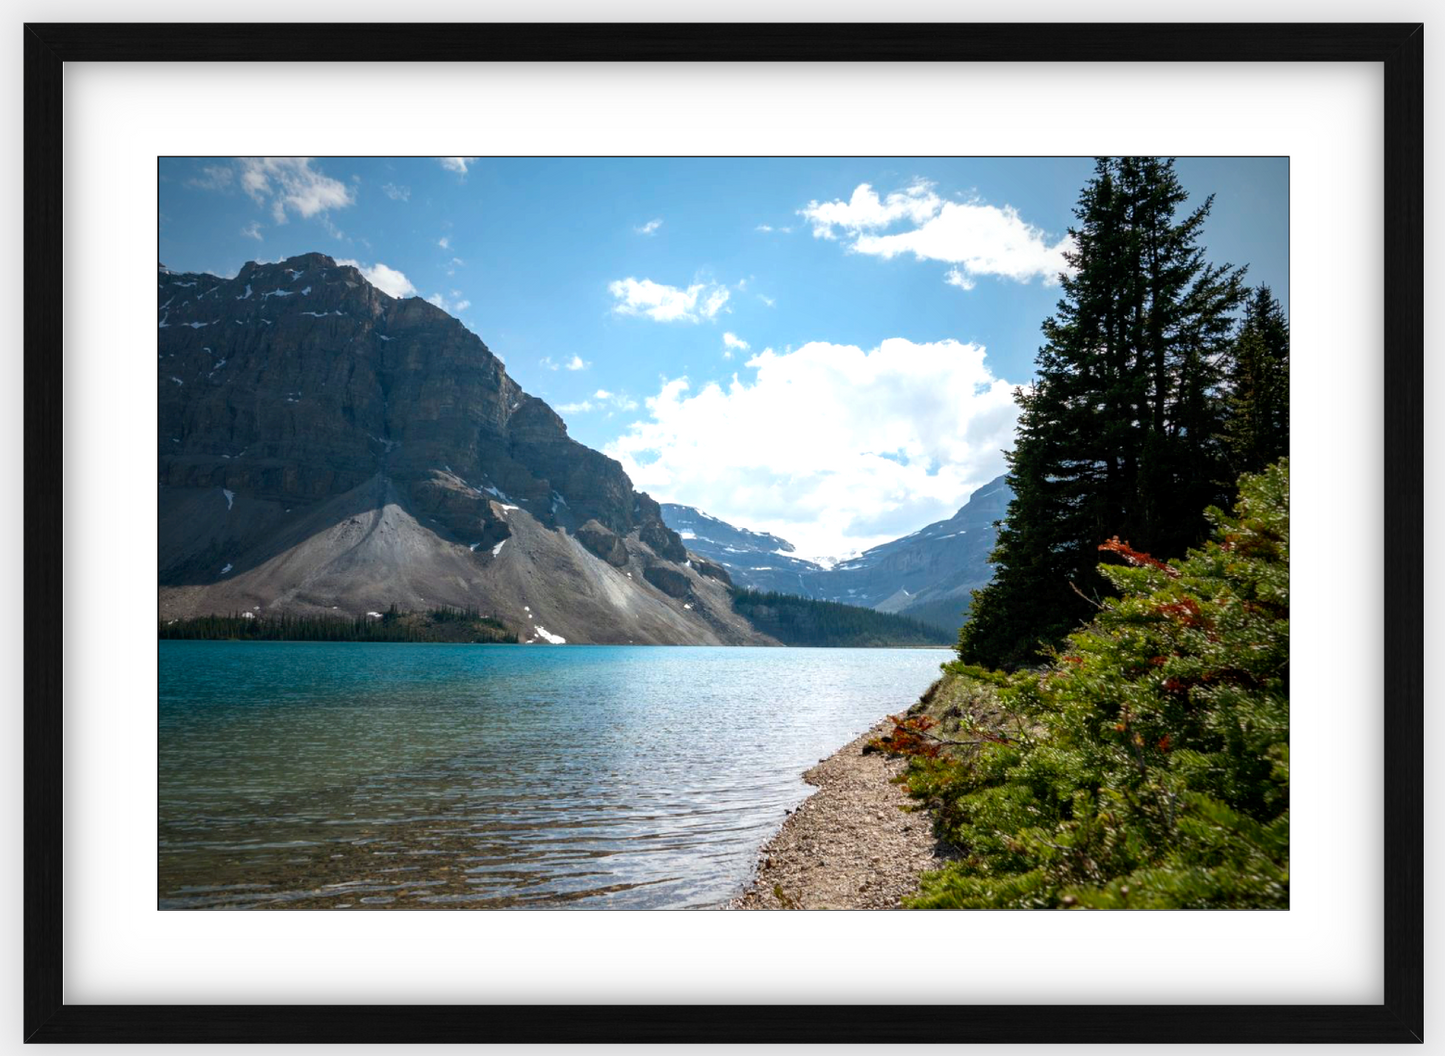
(649, 228)
(668, 304)
(291, 185)
(732, 343)
(830, 446)
(252, 230)
(387, 280)
(575, 363)
(977, 238)
(457, 165)
(865, 211)
(445, 241)
(397, 192)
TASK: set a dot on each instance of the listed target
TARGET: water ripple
(318, 775)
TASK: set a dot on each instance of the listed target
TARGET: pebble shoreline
(850, 845)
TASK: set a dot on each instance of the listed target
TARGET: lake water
(360, 775)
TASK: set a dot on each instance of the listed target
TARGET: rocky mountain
(325, 447)
(927, 575)
(753, 559)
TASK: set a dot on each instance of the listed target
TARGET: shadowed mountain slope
(325, 447)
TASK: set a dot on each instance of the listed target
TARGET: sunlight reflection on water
(351, 775)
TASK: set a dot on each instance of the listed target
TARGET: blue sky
(822, 348)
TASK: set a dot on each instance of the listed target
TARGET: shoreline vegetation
(436, 625)
(791, 620)
(1145, 765)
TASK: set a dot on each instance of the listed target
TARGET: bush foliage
(1149, 763)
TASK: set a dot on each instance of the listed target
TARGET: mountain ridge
(325, 447)
(928, 574)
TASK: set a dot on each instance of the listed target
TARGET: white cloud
(387, 280)
(292, 185)
(213, 178)
(549, 363)
(865, 211)
(650, 227)
(457, 165)
(602, 394)
(954, 277)
(575, 363)
(734, 343)
(886, 441)
(445, 242)
(768, 229)
(252, 230)
(980, 240)
(581, 407)
(769, 301)
(397, 192)
(713, 302)
(976, 238)
(667, 304)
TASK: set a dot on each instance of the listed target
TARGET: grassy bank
(437, 625)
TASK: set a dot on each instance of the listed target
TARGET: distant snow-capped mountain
(928, 575)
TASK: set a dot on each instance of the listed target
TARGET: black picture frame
(1399, 1018)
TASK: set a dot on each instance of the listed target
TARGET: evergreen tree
(1257, 432)
(793, 620)
(1121, 432)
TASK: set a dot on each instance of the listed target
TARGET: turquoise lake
(390, 775)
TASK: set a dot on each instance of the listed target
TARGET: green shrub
(1152, 766)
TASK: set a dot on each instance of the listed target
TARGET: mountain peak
(298, 387)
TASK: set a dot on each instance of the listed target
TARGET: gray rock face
(668, 580)
(604, 543)
(297, 393)
(664, 541)
(711, 569)
(299, 380)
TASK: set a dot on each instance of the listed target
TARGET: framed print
(760, 477)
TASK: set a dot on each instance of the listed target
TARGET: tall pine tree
(1121, 432)
(1257, 432)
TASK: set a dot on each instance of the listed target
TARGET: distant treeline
(794, 620)
(437, 625)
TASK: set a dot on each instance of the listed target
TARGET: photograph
(736, 533)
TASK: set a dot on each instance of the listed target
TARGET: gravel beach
(851, 845)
